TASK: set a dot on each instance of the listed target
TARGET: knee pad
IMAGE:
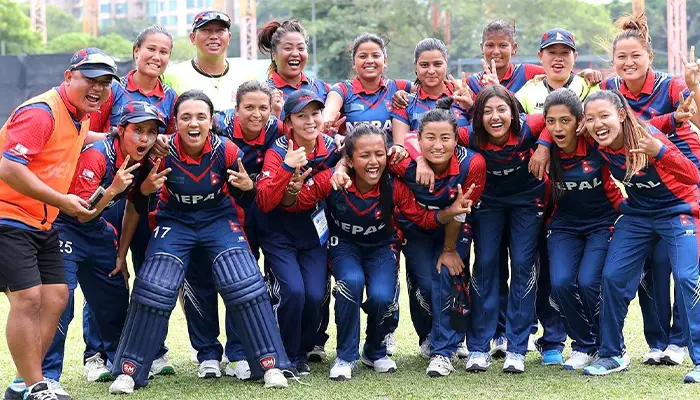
(244, 291)
(158, 282)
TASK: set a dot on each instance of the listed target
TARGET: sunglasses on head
(211, 16)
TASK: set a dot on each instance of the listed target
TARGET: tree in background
(112, 44)
(16, 35)
(58, 22)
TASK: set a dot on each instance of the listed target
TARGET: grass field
(410, 382)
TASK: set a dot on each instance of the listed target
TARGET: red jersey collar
(452, 169)
(372, 193)
(357, 87)
(321, 149)
(238, 133)
(508, 74)
(512, 141)
(647, 88)
(449, 89)
(280, 82)
(187, 159)
(581, 150)
(133, 87)
(70, 107)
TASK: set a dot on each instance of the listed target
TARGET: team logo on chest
(259, 158)
(453, 193)
(235, 227)
(215, 178)
(377, 213)
(587, 166)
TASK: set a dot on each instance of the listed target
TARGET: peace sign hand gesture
(123, 177)
(691, 66)
(463, 94)
(462, 204)
(155, 179)
(240, 179)
(648, 145)
(490, 76)
(686, 109)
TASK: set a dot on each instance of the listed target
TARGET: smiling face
(558, 61)
(253, 112)
(496, 119)
(306, 124)
(438, 142)
(631, 59)
(153, 55)
(138, 138)
(369, 61)
(290, 55)
(604, 123)
(499, 47)
(87, 95)
(368, 159)
(561, 123)
(431, 68)
(212, 39)
(193, 125)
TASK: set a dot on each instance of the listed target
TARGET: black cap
(208, 16)
(300, 99)
(461, 303)
(557, 36)
(93, 63)
(139, 111)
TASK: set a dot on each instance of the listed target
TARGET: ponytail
(269, 37)
(441, 113)
(633, 26)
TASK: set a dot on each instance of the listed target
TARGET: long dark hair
(441, 113)
(482, 136)
(632, 129)
(386, 198)
(270, 34)
(565, 97)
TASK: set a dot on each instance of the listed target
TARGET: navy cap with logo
(300, 99)
(93, 63)
(557, 36)
(461, 303)
(139, 111)
(208, 16)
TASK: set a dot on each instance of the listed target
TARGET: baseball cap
(207, 16)
(300, 99)
(93, 63)
(139, 111)
(557, 36)
(461, 303)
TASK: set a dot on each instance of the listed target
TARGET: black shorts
(29, 258)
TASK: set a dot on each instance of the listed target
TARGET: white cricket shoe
(274, 378)
(209, 369)
(239, 370)
(124, 384)
(96, 370)
(578, 360)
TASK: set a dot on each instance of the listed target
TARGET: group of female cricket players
(520, 159)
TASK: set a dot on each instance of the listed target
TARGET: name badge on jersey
(357, 107)
(321, 224)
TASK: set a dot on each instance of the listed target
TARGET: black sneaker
(12, 394)
(290, 372)
(40, 391)
(303, 368)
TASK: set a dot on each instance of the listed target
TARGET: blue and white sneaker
(607, 365)
(693, 376)
(499, 346)
(552, 357)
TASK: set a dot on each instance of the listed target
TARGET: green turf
(410, 382)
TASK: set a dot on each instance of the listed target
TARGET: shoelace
(444, 362)
(295, 378)
(607, 363)
(44, 395)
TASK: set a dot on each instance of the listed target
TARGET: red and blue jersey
(466, 167)
(125, 91)
(97, 166)
(317, 86)
(590, 197)
(200, 184)
(515, 77)
(660, 95)
(419, 103)
(507, 165)
(359, 217)
(370, 106)
(273, 180)
(667, 186)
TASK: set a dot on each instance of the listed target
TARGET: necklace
(215, 80)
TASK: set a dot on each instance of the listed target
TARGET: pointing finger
(241, 168)
(125, 163)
